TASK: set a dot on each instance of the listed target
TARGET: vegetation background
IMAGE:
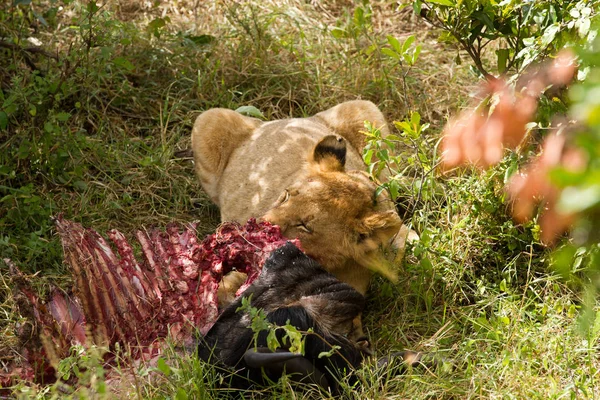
(97, 100)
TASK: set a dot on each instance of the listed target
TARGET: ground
(97, 128)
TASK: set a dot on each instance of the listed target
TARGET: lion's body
(285, 147)
(300, 174)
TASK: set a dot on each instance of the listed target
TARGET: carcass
(122, 301)
(293, 290)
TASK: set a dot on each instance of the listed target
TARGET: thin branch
(475, 57)
(31, 50)
(471, 51)
(486, 43)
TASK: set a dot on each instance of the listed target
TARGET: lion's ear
(330, 154)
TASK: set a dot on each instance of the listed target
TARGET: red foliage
(533, 185)
(478, 137)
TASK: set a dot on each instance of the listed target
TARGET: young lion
(305, 175)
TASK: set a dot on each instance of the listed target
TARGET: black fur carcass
(296, 289)
(292, 287)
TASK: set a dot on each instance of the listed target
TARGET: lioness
(305, 175)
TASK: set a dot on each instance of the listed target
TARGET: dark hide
(292, 287)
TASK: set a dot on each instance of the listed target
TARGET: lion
(305, 175)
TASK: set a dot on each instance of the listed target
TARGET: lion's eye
(285, 196)
(302, 226)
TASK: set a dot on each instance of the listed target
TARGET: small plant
(405, 161)
(289, 335)
(80, 375)
(403, 53)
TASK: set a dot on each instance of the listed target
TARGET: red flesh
(117, 298)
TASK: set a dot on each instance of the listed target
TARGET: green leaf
(295, 338)
(390, 53)
(338, 33)
(402, 125)
(250, 111)
(63, 116)
(550, 34)
(181, 394)
(200, 39)
(48, 127)
(446, 3)
(157, 23)
(383, 155)
(359, 17)
(92, 7)
(409, 40)
(484, 18)
(155, 26)
(394, 188)
(503, 285)
(40, 18)
(394, 43)
(369, 50)
(124, 63)
(415, 118)
(163, 366)
(502, 59)
(417, 7)
(81, 186)
(426, 264)
(329, 353)
(416, 54)
(272, 342)
(3, 120)
(367, 156)
(510, 171)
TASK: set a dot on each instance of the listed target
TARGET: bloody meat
(118, 298)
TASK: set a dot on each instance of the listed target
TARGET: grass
(96, 133)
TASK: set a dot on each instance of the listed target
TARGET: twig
(471, 51)
(32, 49)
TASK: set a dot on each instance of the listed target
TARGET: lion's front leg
(229, 286)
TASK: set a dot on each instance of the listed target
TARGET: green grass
(94, 135)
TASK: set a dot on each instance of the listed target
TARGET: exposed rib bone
(120, 300)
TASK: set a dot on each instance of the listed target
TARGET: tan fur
(271, 170)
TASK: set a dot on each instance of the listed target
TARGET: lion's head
(335, 213)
